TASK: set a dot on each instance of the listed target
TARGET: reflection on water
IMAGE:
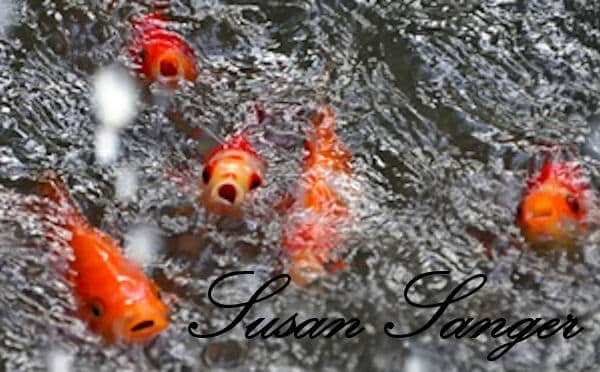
(442, 104)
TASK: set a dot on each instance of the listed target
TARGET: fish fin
(153, 19)
(111, 5)
(52, 187)
(259, 112)
(568, 172)
(325, 141)
(158, 5)
(278, 267)
(285, 202)
(181, 125)
(237, 142)
(485, 238)
(337, 265)
(515, 243)
(323, 117)
(543, 172)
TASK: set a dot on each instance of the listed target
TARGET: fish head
(229, 175)
(161, 55)
(553, 208)
(131, 313)
(114, 295)
(168, 62)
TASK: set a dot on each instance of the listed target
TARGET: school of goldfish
(118, 301)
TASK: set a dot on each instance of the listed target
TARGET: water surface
(442, 104)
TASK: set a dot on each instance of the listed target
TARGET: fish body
(554, 205)
(160, 54)
(114, 296)
(313, 222)
(231, 171)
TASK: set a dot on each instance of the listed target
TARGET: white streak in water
(141, 244)
(115, 97)
(107, 145)
(7, 15)
(115, 101)
(59, 361)
(126, 184)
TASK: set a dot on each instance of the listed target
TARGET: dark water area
(442, 105)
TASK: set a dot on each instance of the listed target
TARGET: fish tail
(325, 141)
(324, 118)
(52, 187)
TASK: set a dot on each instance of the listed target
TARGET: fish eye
(206, 175)
(96, 308)
(573, 203)
(255, 181)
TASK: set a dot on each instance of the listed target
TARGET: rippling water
(442, 104)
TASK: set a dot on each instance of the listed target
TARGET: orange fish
(113, 294)
(160, 54)
(554, 205)
(312, 225)
(231, 171)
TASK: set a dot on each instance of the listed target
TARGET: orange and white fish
(555, 205)
(113, 294)
(159, 54)
(231, 171)
(312, 225)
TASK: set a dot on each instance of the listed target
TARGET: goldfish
(316, 213)
(113, 295)
(554, 205)
(230, 172)
(160, 54)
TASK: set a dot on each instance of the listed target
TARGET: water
(442, 104)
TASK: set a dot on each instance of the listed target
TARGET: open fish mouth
(169, 69)
(228, 194)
